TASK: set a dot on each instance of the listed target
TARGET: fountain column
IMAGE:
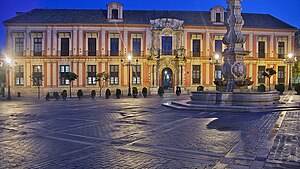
(234, 68)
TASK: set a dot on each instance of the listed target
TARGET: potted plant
(64, 94)
(48, 96)
(200, 88)
(269, 73)
(134, 92)
(145, 92)
(79, 94)
(178, 91)
(71, 77)
(297, 88)
(280, 88)
(118, 93)
(107, 93)
(261, 88)
(161, 91)
(56, 96)
(93, 94)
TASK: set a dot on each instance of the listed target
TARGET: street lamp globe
(8, 60)
(290, 55)
(217, 56)
(129, 57)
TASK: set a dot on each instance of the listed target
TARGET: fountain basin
(235, 98)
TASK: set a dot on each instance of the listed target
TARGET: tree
(102, 78)
(71, 77)
(37, 79)
(269, 73)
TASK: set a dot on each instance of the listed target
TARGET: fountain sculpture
(234, 69)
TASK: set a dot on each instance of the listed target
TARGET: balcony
(262, 55)
(37, 53)
(196, 53)
(64, 53)
(280, 55)
(113, 53)
(137, 53)
(20, 53)
(92, 53)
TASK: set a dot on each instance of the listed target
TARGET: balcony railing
(92, 53)
(22, 53)
(37, 53)
(262, 55)
(137, 53)
(280, 55)
(196, 53)
(113, 53)
(64, 53)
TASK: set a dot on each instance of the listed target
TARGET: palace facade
(168, 48)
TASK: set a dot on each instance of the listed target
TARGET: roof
(192, 18)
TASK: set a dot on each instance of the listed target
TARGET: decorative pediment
(162, 23)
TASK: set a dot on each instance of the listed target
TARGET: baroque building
(296, 72)
(168, 48)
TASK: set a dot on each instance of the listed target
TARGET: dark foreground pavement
(140, 133)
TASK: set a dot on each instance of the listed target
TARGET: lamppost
(8, 61)
(216, 61)
(289, 61)
(129, 58)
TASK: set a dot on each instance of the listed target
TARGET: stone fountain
(234, 69)
(235, 84)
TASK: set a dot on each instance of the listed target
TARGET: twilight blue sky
(286, 10)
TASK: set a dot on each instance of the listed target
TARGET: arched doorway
(167, 79)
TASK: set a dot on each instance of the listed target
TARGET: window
(91, 75)
(37, 47)
(261, 70)
(19, 46)
(136, 74)
(64, 47)
(218, 72)
(218, 46)
(166, 45)
(115, 14)
(92, 47)
(64, 70)
(114, 46)
(281, 50)
(114, 74)
(281, 74)
(196, 47)
(218, 17)
(196, 74)
(136, 46)
(261, 49)
(19, 75)
(37, 75)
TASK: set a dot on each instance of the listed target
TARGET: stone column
(148, 41)
(75, 39)
(54, 47)
(207, 52)
(27, 42)
(103, 43)
(48, 41)
(80, 34)
(9, 41)
(272, 46)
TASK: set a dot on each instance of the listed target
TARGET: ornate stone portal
(167, 27)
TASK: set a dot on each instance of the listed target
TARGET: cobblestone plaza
(141, 133)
